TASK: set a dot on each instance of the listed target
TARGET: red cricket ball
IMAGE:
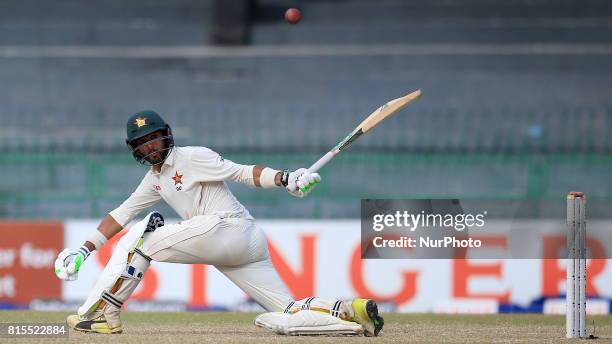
(293, 15)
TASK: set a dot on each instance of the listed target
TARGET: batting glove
(68, 263)
(301, 182)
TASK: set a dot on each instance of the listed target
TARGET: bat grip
(321, 162)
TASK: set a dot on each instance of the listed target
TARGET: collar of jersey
(169, 160)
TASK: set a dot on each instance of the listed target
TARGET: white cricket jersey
(192, 182)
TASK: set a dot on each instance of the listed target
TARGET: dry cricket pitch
(166, 328)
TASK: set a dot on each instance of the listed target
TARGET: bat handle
(321, 162)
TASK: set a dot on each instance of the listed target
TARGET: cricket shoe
(97, 325)
(156, 220)
(366, 314)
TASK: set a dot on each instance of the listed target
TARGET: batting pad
(307, 322)
(116, 266)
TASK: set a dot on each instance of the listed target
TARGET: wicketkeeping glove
(68, 263)
(301, 182)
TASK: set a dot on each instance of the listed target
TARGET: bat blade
(387, 110)
(366, 125)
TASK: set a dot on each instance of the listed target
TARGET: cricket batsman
(216, 229)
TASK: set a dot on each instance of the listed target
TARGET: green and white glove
(68, 263)
(301, 182)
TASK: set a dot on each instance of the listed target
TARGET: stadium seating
(499, 126)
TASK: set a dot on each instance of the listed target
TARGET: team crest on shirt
(178, 181)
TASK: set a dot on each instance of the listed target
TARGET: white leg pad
(116, 266)
(307, 322)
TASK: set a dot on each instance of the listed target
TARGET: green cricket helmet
(142, 124)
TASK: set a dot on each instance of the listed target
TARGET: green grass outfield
(166, 328)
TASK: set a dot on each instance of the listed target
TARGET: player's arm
(207, 165)
(298, 183)
(143, 197)
(276, 177)
(68, 262)
(107, 229)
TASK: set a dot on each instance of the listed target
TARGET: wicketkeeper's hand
(68, 263)
(301, 182)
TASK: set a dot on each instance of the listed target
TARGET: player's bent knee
(138, 263)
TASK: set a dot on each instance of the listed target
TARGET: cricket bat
(368, 124)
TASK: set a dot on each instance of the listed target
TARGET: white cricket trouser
(235, 246)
